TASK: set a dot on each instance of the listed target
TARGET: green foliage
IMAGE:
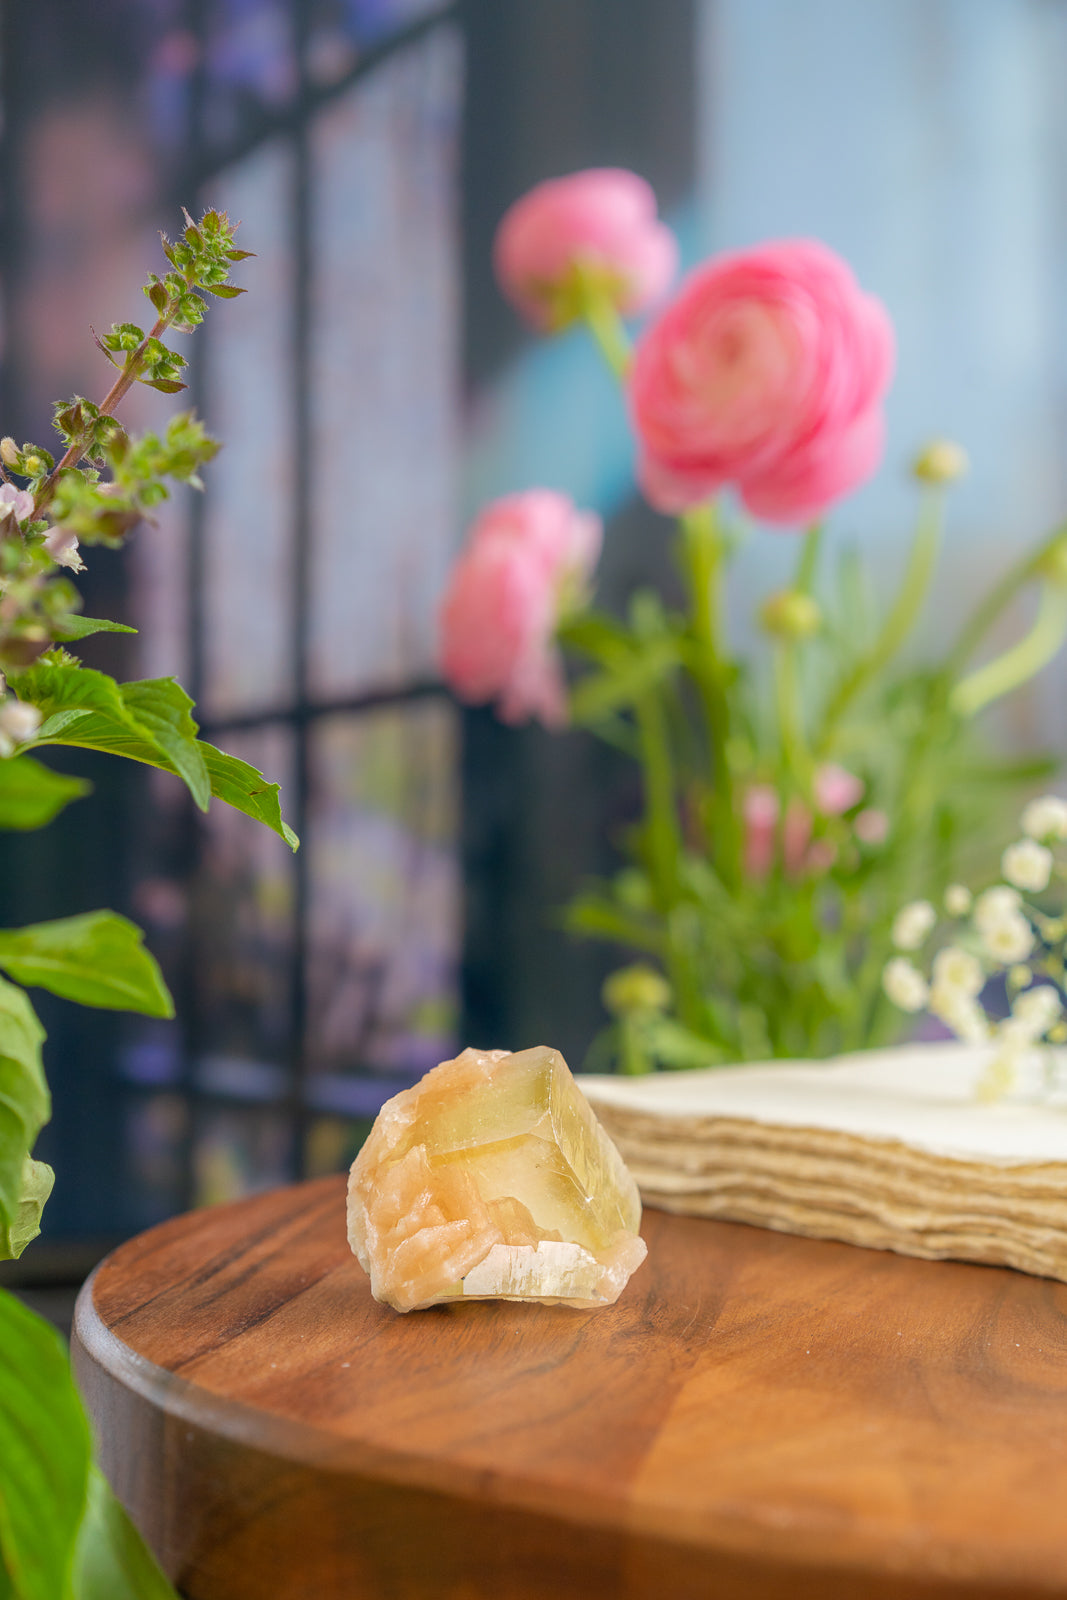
(148, 721)
(32, 794)
(44, 1457)
(246, 789)
(74, 627)
(96, 959)
(111, 1560)
(63, 1536)
(25, 1225)
(25, 1104)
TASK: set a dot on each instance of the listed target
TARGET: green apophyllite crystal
(490, 1179)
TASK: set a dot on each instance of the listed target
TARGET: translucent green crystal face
(492, 1177)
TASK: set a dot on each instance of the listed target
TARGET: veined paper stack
(886, 1148)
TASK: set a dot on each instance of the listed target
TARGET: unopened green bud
(33, 466)
(790, 614)
(942, 461)
(636, 989)
(9, 451)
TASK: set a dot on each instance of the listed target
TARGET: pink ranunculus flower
(767, 372)
(603, 219)
(526, 561)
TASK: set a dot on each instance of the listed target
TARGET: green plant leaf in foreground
(112, 1561)
(37, 1181)
(25, 1105)
(63, 1535)
(97, 959)
(149, 721)
(32, 794)
(44, 1456)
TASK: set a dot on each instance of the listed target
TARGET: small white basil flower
(912, 923)
(995, 906)
(16, 502)
(958, 900)
(19, 721)
(958, 969)
(1027, 865)
(904, 984)
(1009, 940)
(62, 546)
(1045, 818)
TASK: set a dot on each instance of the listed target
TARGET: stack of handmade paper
(889, 1148)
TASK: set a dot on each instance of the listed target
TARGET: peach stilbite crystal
(493, 1179)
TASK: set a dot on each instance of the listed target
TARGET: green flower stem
(902, 617)
(809, 559)
(702, 559)
(664, 846)
(795, 755)
(119, 389)
(606, 326)
(999, 598)
(661, 820)
(1017, 665)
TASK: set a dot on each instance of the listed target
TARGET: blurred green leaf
(78, 627)
(32, 794)
(44, 1457)
(112, 1561)
(25, 1104)
(96, 959)
(37, 1181)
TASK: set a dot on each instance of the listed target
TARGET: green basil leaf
(112, 1561)
(32, 794)
(246, 789)
(25, 1104)
(44, 1457)
(78, 627)
(97, 959)
(37, 1181)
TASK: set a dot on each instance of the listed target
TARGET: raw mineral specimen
(492, 1179)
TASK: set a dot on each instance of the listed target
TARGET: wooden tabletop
(759, 1416)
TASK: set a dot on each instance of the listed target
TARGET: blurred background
(372, 389)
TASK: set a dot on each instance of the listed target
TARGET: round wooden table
(759, 1416)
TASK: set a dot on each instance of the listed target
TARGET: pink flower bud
(872, 826)
(760, 817)
(836, 789)
(527, 560)
(766, 372)
(603, 220)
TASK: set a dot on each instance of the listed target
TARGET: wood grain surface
(759, 1416)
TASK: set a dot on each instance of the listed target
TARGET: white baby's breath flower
(904, 984)
(1045, 818)
(1009, 940)
(958, 900)
(1038, 1009)
(912, 923)
(1027, 865)
(19, 721)
(960, 1012)
(958, 969)
(996, 906)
